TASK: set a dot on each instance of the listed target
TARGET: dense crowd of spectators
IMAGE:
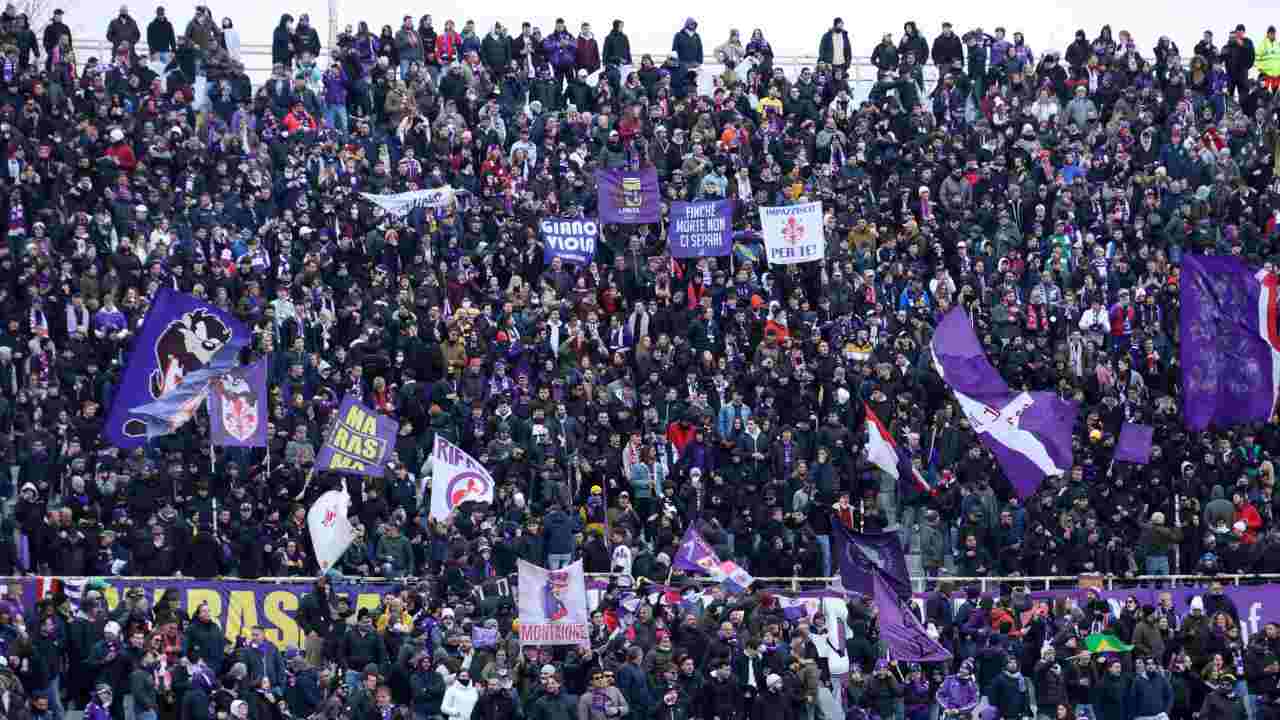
(1052, 196)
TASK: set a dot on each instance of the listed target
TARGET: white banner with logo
(552, 605)
(331, 531)
(456, 478)
(401, 204)
(793, 234)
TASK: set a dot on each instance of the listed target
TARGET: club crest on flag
(239, 402)
(793, 231)
(469, 486)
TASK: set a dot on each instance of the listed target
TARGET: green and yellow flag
(1105, 642)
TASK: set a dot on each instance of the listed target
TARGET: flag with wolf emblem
(238, 406)
(184, 342)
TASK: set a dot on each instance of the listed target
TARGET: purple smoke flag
(696, 555)
(163, 384)
(1134, 445)
(901, 631)
(360, 441)
(628, 197)
(700, 229)
(862, 553)
(1230, 335)
(1028, 432)
(238, 406)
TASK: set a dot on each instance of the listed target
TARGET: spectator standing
(161, 41)
(834, 48)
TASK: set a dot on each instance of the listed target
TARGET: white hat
(1197, 603)
(117, 135)
(111, 628)
(773, 680)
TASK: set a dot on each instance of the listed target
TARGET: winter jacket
(826, 47)
(617, 49)
(160, 37)
(957, 694)
(1149, 695)
(208, 639)
(1268, 60)
(687, 47)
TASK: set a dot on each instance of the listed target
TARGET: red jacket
(124, 156)
(294, 122)
(448, 45)
(1248, 514)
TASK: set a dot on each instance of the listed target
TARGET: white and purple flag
(1028, 432)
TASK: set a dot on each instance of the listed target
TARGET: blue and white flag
(1028, 432)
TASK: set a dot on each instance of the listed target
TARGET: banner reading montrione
(456, 478)
(700, 229)
(360, 442)
(570, 239)
(793, 234)
(553, 605)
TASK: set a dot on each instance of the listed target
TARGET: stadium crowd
(1051, 195)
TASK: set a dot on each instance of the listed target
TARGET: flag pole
(1177, 522)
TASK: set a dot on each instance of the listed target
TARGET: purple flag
(1134, 445)
(180, 337)
(695, 554)
(628, 197)
(360, 441)
(901, 631)
(700, 229)
(1230, 334)
(1028, 432)
(238, 406)
(862, 553)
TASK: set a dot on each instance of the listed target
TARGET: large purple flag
(180, 338)
(628, 197)
(1134, 445)
(238, 406)
(695, 554)
(900, 630)
(861, 554)
(360, 441)
(1230, 335)
(1028, 432)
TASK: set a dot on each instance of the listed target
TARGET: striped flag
(72, 588)
(884, 453)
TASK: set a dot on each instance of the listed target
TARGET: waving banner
(456, 478)
(1028, 432)
(1230, 339)
(331, 531)
(553, 605)
(360, 442)
(238, 406)
(401, 204)
(180, 338)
